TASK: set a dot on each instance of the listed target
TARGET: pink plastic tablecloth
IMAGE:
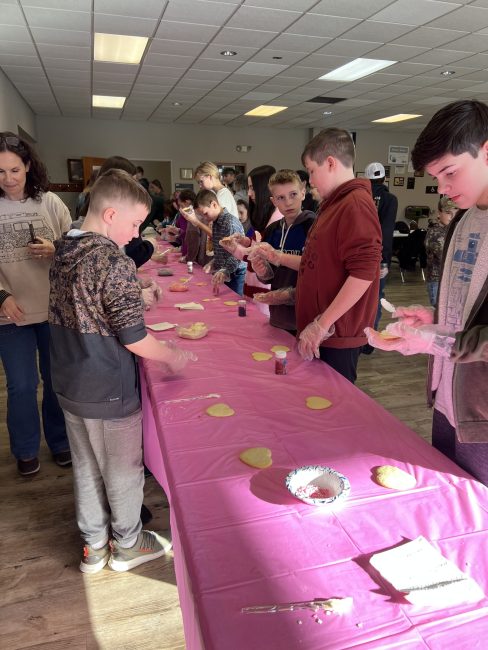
(241, 539)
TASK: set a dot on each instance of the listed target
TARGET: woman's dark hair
(157, 183)
(187, 195)
(262, 208)
(36, 182)
(460, 127)
(114, 162)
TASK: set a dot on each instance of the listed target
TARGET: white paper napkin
(161, 327)
(425, 576)
(189, 305)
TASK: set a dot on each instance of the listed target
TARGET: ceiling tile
(108, 24)
(58, 19)
(182, 31)
(165, 46)
(293, 5)
(370, 30)
(64, 51)
(72, 5)
(470, 19)
(471, 43)
(146, 9)
(61, 37)
(414, 12)
(392, 52)
(11, 15)
(423, 36)
(268, 19)
(261, 69)
(344, 47)
(245, 37)
(439, 57)
(319, 25)
(296, 43)
(351, 8)
(15, 34)
(201, 12)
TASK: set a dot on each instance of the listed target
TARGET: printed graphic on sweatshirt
(15, 235)
(464, 259)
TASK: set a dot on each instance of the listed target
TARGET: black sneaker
(63, 458)
(28, 467)
(148, 546)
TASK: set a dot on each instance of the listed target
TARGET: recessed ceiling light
(277, 58)
(107, 101)
(399, 117)
(176, 103)
(327, 113)
(228, 53)
(115, 48)
(357, 69)
(448, 73)
(266, 111)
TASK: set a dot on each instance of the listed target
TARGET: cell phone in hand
(33, 238)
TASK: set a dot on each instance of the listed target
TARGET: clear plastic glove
(241, 239)
(177, 358)
(232, 246)
(415, 315)
(268, 253)
(218, 279)
(262, 268)
(383, 271)
(310, 339)
(400, 337)
(150, 295)
(277, 297)
(208, 267)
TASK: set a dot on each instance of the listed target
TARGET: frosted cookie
(317, 403)
(230, 303)
(385, 334)
(220, 411)
(280, 348)
(261, 356)
(393, 477)
(177, 286)
(259, 457)
(209, 299)
(192, 331)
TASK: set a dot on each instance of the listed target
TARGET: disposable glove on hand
(383, 272)
(262, 268)
(218, 278)
(425, 339)
(267, 252)
(208, 267)
(232, 246)
(277, 297)
(150, 295)
(415, 315)
(310, 339)
(177, 358)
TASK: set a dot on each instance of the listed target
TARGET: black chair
(413, 251)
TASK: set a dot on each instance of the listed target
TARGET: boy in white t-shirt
(453, 148)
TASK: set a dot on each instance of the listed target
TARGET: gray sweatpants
(108, 476)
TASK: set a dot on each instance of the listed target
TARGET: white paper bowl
(318, 476)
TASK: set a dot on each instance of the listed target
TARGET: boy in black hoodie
(277, 259)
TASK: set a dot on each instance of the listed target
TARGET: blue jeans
(432, 289)
(236, 282)
(18, 351)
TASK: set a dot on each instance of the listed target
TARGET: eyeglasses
(10, 140)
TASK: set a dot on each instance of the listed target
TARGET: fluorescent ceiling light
(265, 111)
(399, 117)
(106, 101)
(356, 69)
(116, 48)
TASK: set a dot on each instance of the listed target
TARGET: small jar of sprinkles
(241, 307)
(281, 362)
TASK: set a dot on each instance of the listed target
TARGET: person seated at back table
(97, 327)
(413, 248)
(225, 268)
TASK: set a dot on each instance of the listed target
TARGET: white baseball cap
(374, 170)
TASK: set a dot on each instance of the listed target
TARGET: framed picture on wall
(399, 181)
(359, 174)
(75, 170)
(186, 173)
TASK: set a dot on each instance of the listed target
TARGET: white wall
(372, 145)
(184, 145)
(14, 111)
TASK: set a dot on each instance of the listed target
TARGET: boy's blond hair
(205, 198)
(118, 186)
(284, 176)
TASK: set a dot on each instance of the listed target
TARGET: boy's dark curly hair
(37, 181)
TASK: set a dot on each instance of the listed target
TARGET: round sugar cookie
(201, 284)
(230, 303)
(261, 356)
(393, 477)
(220, 411)
(317, 403)
(259, 457)
(177, 286)
(387, 336)
(209, 299)
(280, 348)
(192, 331)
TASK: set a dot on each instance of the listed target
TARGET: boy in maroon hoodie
(338, 279)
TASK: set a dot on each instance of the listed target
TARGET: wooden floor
(46, 603)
